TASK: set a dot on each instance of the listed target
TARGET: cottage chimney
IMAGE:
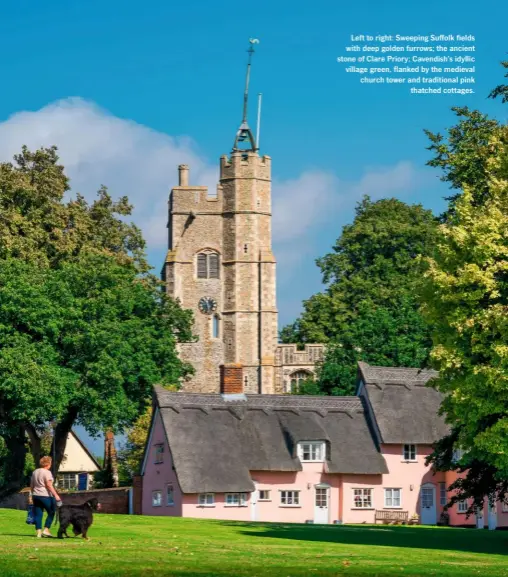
(231, 381)
(183, 175)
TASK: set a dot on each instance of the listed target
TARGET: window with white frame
(206, 499)
(290, 498)
(156, 498)
(264, 495)
(409, 453)
(504, 505)
(393, 498)
(236, 500)
(362, 498)
(311, 452)
(170, 495)
(159, 454)
(462, 507)
(442, 494)
(67, 481)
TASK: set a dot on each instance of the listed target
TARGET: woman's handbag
(30, 517)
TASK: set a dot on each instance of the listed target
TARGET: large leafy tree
(85, 330)
(472, 156)
(368, 310)
(465, 298)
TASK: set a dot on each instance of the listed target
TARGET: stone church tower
(221, 266)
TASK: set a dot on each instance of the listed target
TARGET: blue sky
(129, 90)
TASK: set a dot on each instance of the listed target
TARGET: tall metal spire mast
(244, 133)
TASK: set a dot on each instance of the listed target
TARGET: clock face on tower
(207, 305)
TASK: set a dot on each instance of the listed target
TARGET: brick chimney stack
(231, 379)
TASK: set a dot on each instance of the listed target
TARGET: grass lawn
(123, 545)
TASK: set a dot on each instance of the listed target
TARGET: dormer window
(208, 265)
(311, 452)
(409, 453)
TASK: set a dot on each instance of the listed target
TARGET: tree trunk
(35, 443)
(14, 462)
(59, 443)
(110, 458)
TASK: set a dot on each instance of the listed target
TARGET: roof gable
(404, 404)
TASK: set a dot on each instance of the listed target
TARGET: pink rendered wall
(272, 511)
(157, 476)
(457, 518)
(409, 477)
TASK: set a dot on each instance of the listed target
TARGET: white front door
(428, 505)
(321, 505)
(492, 517)
(480, 522)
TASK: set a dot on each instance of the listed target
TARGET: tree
(84, 343)
(368, 310)
(465, 298)
(465, 154)
(131, 456)
(501, 89)
(39, 227)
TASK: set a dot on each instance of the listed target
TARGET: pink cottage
(298, 459)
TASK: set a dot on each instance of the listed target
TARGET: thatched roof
(217, 441)
(404, 404)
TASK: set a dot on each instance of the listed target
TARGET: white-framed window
(264, 495)
(67, 481)
(206, 499)
(462, 507)
(159, 454)
(207, 265)
(311, 452)
(156, 498)
(236, 500)
(170, 495)
(504, 505)
(442, 494)
(409, 453)
(393, 498)
(290, 498)
(362, 498)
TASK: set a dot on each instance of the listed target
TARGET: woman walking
(44, 496)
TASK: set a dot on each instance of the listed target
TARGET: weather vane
(244, 132)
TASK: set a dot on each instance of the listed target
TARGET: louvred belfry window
(213, 265)
(202, 266)
(208, 265)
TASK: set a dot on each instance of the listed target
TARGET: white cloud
(130, 159)
(98, 148)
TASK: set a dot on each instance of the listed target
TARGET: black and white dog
(79, 516)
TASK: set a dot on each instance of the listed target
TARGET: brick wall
(114, 501)
(231, 379)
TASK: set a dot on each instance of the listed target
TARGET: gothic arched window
(208, 265)
(298, 377)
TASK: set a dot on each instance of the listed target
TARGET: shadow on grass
(445, 539)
